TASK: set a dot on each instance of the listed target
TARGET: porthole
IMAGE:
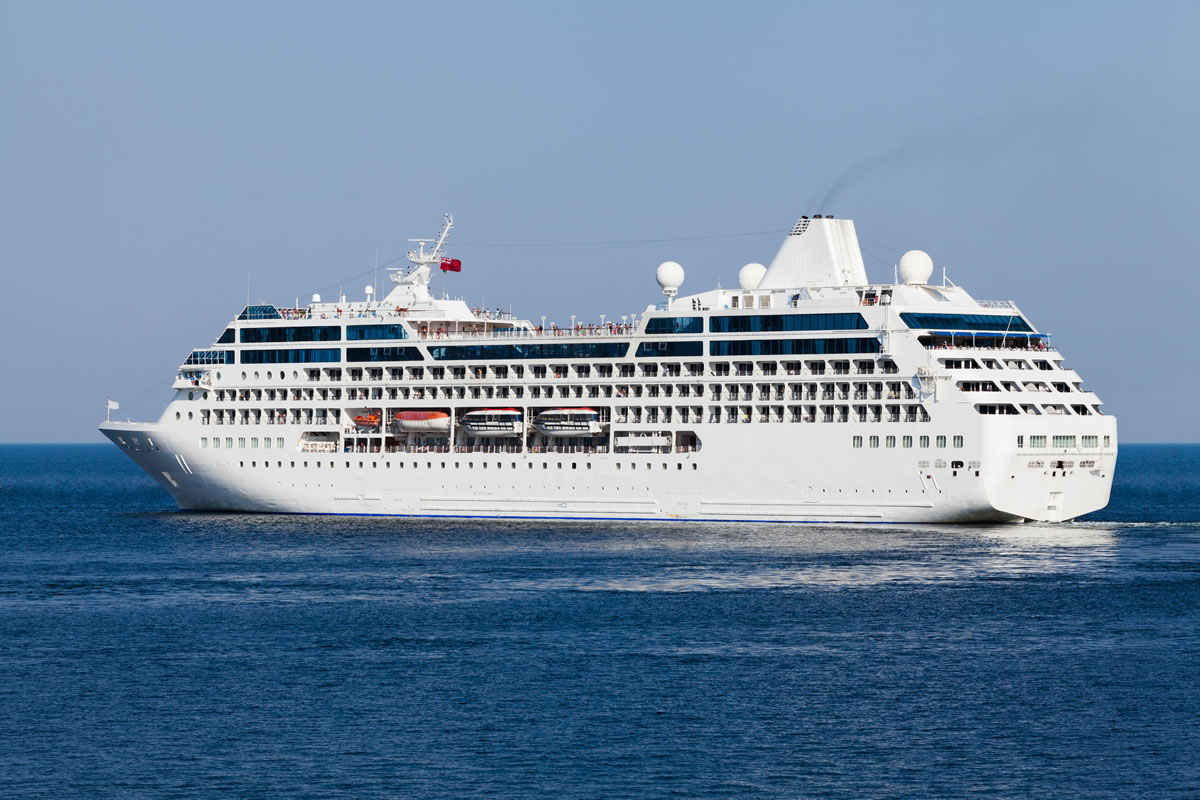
(178, 415)
(191, 395)
(189, 415)
(243, 376)
(269, 375)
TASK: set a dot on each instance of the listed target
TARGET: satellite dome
(316, 298)
(750, 276)
(669, 275)
(915, 267)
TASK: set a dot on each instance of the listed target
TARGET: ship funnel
(821, 251)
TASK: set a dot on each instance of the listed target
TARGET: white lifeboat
(493, 422)
(422, 421)
(568, 422)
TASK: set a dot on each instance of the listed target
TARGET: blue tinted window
(307, 355)
(210, 357)
(226, 337)
(303, 333)
(660, 325)
(793, 347)
(772, 323)
(361, 332)
(967, 322)
(259, 312)
(383, 354)
(666, 349)
(507, 351)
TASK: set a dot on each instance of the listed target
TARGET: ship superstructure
(807, 394)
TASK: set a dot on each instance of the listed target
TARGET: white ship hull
(741, 474)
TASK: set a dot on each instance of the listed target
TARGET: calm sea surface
(146, 652)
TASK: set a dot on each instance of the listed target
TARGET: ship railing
(1015, 343)
(507, 334)
(997, 304)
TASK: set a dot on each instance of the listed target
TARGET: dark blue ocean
(150, 653)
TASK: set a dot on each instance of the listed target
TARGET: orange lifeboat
(367, 420)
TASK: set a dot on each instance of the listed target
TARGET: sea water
(146, 652)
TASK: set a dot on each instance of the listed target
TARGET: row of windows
(358, 354)
(661, 325)
(905, 441)
(241, 442)
(1011, 323)
(792, 347)
(492, 352)
(775, 323)
(302, 333)
(457, 465)
(1039, 441)
(665, 349)
(487, 352)
(356, 333)
(210, 357)
(307, 355)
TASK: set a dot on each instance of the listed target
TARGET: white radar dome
(915, 267)
(370, 289)
(316, 298)
(750, 276)
(669, 275)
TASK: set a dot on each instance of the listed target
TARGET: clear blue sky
(152, 155)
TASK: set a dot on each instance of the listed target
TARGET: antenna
(420, 257)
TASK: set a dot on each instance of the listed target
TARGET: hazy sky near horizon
(157, 155)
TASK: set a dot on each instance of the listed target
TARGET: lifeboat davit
(423, 421)
(568, 422)
(493, 422)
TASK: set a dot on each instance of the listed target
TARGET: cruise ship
(806, 394)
